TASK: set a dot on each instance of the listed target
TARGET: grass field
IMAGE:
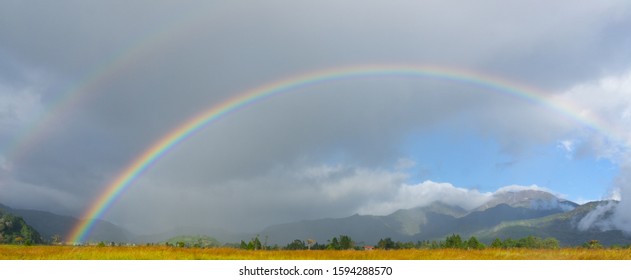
(11, 252)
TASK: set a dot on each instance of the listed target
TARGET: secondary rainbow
(113, 65)
(158, 149)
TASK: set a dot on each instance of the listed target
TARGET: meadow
(16, 252)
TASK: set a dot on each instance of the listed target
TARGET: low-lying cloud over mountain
(509, 214)
(513, 212)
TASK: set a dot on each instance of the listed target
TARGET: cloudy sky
(86, 87)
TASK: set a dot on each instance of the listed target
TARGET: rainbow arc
(179, 134)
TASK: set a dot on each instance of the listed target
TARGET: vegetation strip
(15, 252)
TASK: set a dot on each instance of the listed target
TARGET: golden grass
(11, 252)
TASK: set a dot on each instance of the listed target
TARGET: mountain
(532, 199)
(509, 214)
(478, 220)
(562, 226)
(220, 235)
(14, 230)
(364, 228)
(414, 221)
(50, 224)
(403, 225)
(422, 223)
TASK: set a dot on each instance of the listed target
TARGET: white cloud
(517, 188)
(407, 196)
(363, 183)
(422, 194)
(608, 102)
(596, 218)
(567, 146)
(312, 192)
(621, 218)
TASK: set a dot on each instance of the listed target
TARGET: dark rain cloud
(162, 62)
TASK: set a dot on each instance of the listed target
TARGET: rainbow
(176, 136)
(114, 65)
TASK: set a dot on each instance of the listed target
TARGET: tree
(592, 244)
(27, 234)
(56, 238)
(551, 243)
(318, 246)
(310, 243)
(404, 245)
(296, 245)
(473, 243)
(454, 241)
(346, 242)
(199, 243)
(334, 244)
(497, 243)
(509, 243)
(528, 242)
(425, 244)
(386, 244)
(255, 244)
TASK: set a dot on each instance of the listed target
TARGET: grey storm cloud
(169, 61)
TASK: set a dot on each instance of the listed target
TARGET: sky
(86, 87)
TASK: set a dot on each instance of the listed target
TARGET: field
(12, 252)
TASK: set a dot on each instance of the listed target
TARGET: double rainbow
(127, 176)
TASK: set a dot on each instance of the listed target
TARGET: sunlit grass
(10, 252)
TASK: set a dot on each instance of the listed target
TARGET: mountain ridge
(49, 224)
(509, 214)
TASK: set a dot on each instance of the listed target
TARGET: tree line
(454, 241)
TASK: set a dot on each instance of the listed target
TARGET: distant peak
(518, 188)
(528, 197)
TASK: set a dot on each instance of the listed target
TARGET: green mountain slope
(14, 230)
(562, 226)
(434, 220)
(507, 215)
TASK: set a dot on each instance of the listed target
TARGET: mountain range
(49, 224)
(508, 214)
(511, 214)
